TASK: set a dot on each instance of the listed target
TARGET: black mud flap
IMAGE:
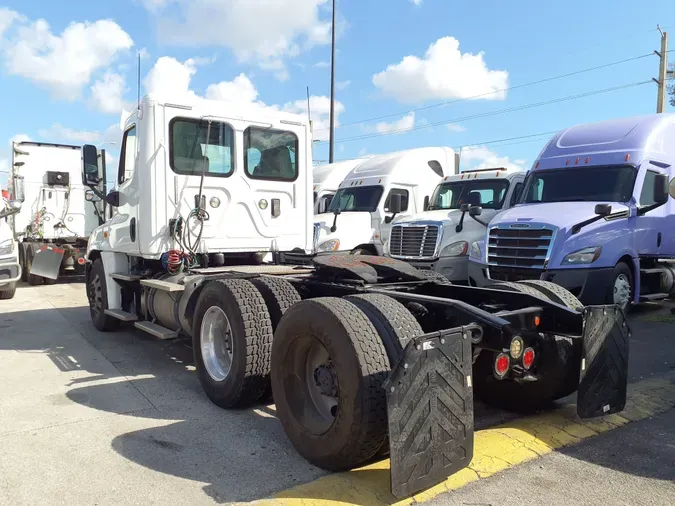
(603, 379)
(47, 262)
(430, 411)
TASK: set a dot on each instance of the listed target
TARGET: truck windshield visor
(608, 183)
(356, 199)
(488, 194)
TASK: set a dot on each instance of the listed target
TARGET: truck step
(156, 330)
(125, 277)
(653, 296)
(121, 315)
(165, 286)
(651, 271)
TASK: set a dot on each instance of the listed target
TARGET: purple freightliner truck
(594, 215)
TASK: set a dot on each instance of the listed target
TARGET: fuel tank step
(165, 286)
(121, 315)
(156, 330)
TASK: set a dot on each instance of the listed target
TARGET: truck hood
(447, 217)
(353, 229)
(563, 215)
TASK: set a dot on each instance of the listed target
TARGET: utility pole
(663, 71)
(331, 147)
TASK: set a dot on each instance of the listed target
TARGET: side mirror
(395, 203)
(661, 189)
(426, 203)
(671, 188)
(92, 173)
(13, 207)
(90, 196)
(475, 211)
(113, 198)
(465, 208)
(603, 209)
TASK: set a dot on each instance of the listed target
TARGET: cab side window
(515, 196)
(404, 199)
(647, 193)
(127, 156)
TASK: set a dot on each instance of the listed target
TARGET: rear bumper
(455, 269)
(590, 286)
(10, 271)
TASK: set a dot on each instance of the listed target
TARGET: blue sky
(68, 68)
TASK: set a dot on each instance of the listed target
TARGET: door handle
(276, 207)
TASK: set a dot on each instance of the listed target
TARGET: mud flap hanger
(430, 410)
(603, 377)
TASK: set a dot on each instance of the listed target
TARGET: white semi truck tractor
(55, 220)
(363, 355)
(10, 269)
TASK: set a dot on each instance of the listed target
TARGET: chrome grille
(414, 241)
(523, 248)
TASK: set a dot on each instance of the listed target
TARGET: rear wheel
(557, 364)
(231, 340)
(328, 368)
(9, 292)
(98, 299)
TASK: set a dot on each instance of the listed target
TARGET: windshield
(591, 184)
(488, 193)
(361, 198)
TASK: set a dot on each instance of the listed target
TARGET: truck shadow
(243, 455)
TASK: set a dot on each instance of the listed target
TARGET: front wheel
(8, 293)
(622, 289)
(97, 293)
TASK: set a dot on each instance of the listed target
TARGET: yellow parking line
(495, 450)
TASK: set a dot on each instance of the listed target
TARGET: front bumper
(455, 269)
(590, 286)
(10, 271)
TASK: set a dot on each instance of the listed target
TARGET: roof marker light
(627, 156)
(567, 162)
(576, 161)
(588, 159)
(536, 165)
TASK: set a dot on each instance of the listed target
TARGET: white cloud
(481, 157)
(456, 127)
(444, 73)
(107, 93)
(59, 133)
(417, 2)
(320, 109)
(343, 85)
(7, 18)
(405, 123)
(322, 64)
(64, 63)
(171, 77)
(266, 33)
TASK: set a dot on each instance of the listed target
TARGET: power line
(493, 113)
(510, 88)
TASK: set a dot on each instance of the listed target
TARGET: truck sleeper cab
(327, 179)
(594, 217)
(376, 191)
(439, 238)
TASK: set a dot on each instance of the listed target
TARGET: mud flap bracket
(430, 410)
(47, 262)
(603, 379)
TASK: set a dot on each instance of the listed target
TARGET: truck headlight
(583, 256)
(6, 247)
(329, 245)
(474, 252)
(456, 249)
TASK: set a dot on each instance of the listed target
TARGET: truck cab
(10, 269)
(594, 216)
(327, 179)
(377, 191)
(439, 238)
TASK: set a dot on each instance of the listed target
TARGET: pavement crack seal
(495, 449)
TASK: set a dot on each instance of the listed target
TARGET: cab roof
(489, 173)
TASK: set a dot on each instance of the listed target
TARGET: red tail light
(502, 364)
(528, 358)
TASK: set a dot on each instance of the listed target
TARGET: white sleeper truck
(327, 179)
(439, 238)
(363, 355)
(10, 269)
(359, 216)
(55, 219)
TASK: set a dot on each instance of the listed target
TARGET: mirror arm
(8, 212)
(484, 223)
(646, 209)
(389, 219)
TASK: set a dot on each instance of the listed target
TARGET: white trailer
(327, 179)
(55, 220)
(10, 269)
(440, 238)
(374, 192)
(363, 355)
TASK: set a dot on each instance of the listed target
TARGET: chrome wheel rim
(622, 290)
(216, 341)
